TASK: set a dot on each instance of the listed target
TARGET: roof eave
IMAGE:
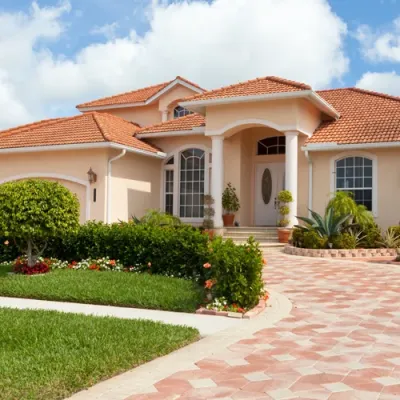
(147, 101)
(199, 106)
(334, 146)
(189, 132)
(82, 146)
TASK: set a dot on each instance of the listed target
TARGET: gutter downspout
(310, 182)
(109, 168)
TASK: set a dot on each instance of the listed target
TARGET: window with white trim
(192, 177)
(271, 145)
(355, 175)
(181, 112)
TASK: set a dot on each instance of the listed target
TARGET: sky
(55, 54)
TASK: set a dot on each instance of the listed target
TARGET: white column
(164, 115)
(217, 178)
(291, 172)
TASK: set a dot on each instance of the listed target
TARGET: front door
(270, 180)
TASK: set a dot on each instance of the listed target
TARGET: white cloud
(384, 82)
(212, 44)
(107, 30)
(380, 45)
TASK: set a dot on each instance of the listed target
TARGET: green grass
(4, 270)
(110, 288)
(46, 355)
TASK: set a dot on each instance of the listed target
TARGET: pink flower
(207, 265)
(149, 264)
(6, 242)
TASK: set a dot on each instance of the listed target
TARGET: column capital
(291, 133)
(217, 137)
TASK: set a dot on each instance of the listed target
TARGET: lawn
(110, 288)
(46, 355)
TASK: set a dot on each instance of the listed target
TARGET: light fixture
(92, 176)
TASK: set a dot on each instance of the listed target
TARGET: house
(164, 146)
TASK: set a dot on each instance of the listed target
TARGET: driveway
(340, 341)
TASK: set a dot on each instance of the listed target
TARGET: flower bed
(333, 253)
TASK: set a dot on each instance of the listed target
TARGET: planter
(210, 233)
(284, 235)
(229, 219)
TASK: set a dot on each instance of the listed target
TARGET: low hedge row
(180, 251)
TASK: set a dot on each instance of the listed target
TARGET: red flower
(112, 262)
(209, 284)
(240, 309)
(207, 265)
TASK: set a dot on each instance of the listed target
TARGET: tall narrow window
(169, 191)
(192, 184)
(354, 174)
(181, 112)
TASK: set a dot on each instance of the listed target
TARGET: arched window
(192, 171)
(271, 145)
(355, 175)
(181, 112)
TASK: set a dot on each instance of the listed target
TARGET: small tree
(209, 212)
(34, 211)
(284, 198)
(230, 201)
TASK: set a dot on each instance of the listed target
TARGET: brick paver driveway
(341, 341)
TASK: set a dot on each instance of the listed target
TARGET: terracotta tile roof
(90, 127)
(185, 123)
(269, 84)
(365, 117)
(135, 96)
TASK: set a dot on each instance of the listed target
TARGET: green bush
(312, 240)
(35, 210)
(237, 272)
(344, 241)
(297, 239)
(395, 229)
(158, 218)
(8, 250)
(373, 237)
(177, 251)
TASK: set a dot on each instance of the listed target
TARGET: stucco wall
(135, 186)
(142, 115)
(169, 99)
(74, 164)
(387, 185)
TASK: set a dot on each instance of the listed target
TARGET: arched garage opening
(77, 186)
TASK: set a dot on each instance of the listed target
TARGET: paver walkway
(341, 340)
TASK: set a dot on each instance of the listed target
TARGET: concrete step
(259, 235)
(265, 245)
(250, 229)
(244, 240)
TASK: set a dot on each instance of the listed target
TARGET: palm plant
(327, 226)
(390, 239)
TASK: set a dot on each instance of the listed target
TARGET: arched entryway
(77, 186)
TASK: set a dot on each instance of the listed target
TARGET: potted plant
(209, 212)
(230, 204)
(284, 199)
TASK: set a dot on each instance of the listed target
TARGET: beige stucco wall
(74, 164)
(142, 115)
(169, 99)
(387, 185)
(135, 186)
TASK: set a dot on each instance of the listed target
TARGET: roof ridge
(189, 82)
(378, 94)
(162, 86)
(97, 122)
(289, 82)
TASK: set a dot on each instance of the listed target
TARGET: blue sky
(76, 50)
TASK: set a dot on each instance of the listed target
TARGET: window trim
(182, 109)
(275, 145)
(176, 167)
(375, 182)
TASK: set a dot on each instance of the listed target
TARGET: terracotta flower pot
(210, 233)
(284, 235)
(229, 219)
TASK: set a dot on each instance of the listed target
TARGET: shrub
(343, 204)
(21, 267)
(390, 239)
(236, 272)
(8, 250)
(209, 212)
(312, 240)
(373, 237)
(344, 241)
(395, 229)
(158, 218)
(177, 251)
(230, 201)
(298, 237)
(284, 198)
(35, 210)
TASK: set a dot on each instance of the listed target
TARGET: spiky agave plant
(327, 226)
